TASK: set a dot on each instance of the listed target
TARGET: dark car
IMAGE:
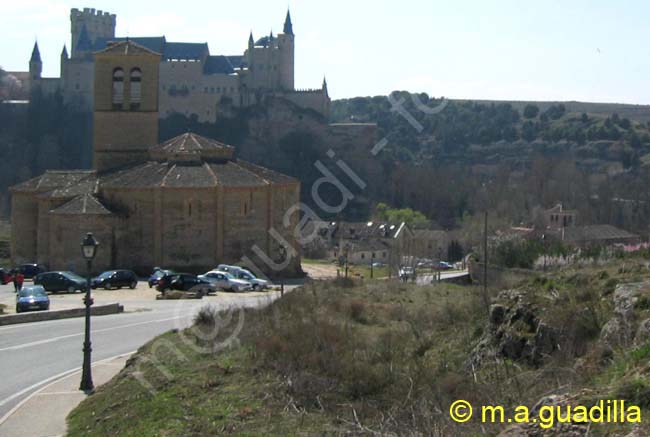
(156, 275)
(5, 276)
(184, 282)
(30, 270)
(32, 298)
(61, 281)
(115, 279)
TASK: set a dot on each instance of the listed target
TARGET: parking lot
(139, 299)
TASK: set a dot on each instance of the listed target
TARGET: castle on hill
(192, 80)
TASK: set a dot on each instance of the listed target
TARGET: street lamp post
(88, 250)
(283, 255)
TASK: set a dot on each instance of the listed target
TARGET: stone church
(187, 204)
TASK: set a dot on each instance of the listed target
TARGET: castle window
(118, 88)
(136, 88)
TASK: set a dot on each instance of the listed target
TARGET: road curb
(100, 310)
(57, 378)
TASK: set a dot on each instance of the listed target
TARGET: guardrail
(40, 316)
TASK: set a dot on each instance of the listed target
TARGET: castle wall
(186, 90)
(316, 100)
(77, 82)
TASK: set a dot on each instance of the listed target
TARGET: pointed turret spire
(64, 52)
(288, 26)
(271, 35)
(324, 82)
(251, 41)
(36, 54)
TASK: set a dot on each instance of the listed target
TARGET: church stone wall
(245, 222)
(68, 231)
(24, 227)
(188, 228)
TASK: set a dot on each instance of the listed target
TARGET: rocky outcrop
(628, 326)
(515, 332)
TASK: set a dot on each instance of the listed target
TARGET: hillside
(640, 113)
(385, 358)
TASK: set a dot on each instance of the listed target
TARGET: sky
(596, 50)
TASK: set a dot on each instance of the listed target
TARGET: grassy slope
(382, 356)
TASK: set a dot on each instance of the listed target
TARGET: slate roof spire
(36, 54)
(288, 26)
(64, 52)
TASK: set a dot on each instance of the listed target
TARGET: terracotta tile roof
(126, 47)
(429, 233)
(364, 230)
(190, 145)
(83, 204)
(267, 174)
(53, 180)
(189, 176)
(593, 233)
(232, 174)
(147, 175)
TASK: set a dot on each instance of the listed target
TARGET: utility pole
(486, 300)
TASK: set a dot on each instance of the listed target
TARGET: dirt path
(320, 271)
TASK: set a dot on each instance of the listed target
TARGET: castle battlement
(91, 12)
(308, 90)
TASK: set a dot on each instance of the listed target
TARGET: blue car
(32, 298)
(157, 274)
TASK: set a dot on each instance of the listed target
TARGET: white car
(226, 281)
(245, 275)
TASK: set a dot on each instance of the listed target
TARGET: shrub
(636, 391)
(357, 311)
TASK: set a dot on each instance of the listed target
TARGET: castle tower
(98, 25)
(125, 105)
(287, 47)
(35, 64)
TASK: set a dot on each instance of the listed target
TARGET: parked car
(226, 268)
(61, 281)
(407, 273)
(443, 265)
(32, 298)
(115, 279)
(246, 275)
(156, 275)
(30, 270)
(226, 281)
(5, 276)
(184, 282)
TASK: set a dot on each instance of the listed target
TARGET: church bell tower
(125, 113)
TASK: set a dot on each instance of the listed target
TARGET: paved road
(428, 278)
(32, 354)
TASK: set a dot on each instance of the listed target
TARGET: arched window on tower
(118, 88)
(136, 88)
